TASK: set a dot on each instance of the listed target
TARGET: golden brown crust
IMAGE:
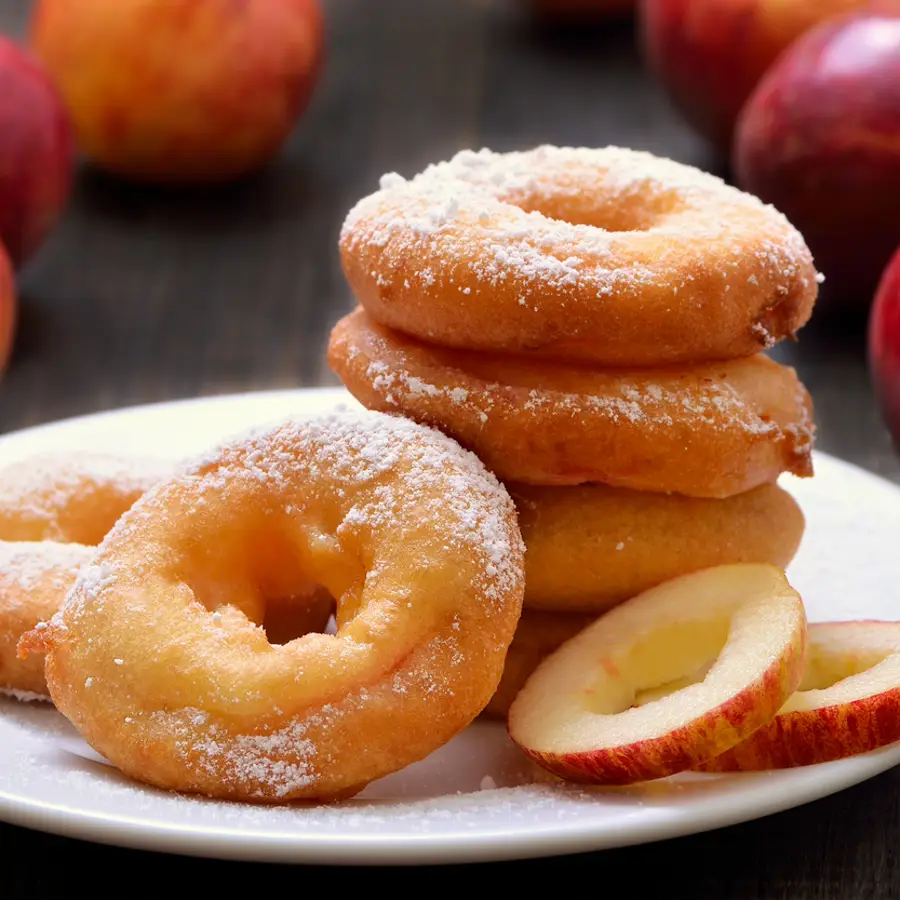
(611, 256)
(72, 497)
(592, 547)
(34, 579)
(180, 688)
(52, 506)
(710, 430)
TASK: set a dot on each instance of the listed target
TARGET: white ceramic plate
(477, 798)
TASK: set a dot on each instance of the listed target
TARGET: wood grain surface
(145, 295)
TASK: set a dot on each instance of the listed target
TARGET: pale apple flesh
(848, 702)
(673, 677)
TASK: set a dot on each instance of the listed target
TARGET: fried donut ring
(591, 547)
(538, 634)
(705, 431)
(72, 498)
(50, 506)
(34, 579)
(611, 256)
(179, 689)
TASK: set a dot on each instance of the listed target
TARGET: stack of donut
(592, 324)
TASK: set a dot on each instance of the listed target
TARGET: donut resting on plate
(179, 688)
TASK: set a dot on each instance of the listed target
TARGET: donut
(611, 256)
(51, 506)
(72, 497)
(34, 579)
(155, 657)
(592, 547)
(538, 634)
(709, 430)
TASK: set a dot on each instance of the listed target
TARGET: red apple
(820, 139)
(884, 345)
(848, 702)
(710, 54)
(181, 90)
(7, 309)
(35, 153)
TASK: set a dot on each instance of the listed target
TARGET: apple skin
(807, 737)
(687, 747)
(181, 91)
(549, 721)
(884, 345)
(820, 139)
(36, 153)
(710, 54)
(8, 309)
(803, 739)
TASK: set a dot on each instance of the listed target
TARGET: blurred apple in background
(581, 10)
(884, 345)
(181, 90)
(7, 308)
(36, 154)
(710, 54)
(820, 139)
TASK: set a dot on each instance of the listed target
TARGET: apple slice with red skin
(616, 703)
(848, 702)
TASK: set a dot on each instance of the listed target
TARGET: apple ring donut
(611, 256)
(72, 498)
(177, 686)
(34, 579)
(592, 547)
(709, 430)
(51, 506)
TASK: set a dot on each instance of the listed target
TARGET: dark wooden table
(145, 295)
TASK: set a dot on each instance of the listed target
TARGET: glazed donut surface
(707, 431)
(612, 256)
(157, 661)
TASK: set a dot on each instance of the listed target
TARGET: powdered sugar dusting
(280, 758)
(36, 490)
(488, 209)
(24, 696)
(359, 447)
(396, 369)
(357, 480)
(24, 565)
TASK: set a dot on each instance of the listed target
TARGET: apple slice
(848, 702)
(669, 679)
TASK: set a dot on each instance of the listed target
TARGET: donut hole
(605, 209)
(269, 575)
(668, 660)
(288, 618)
